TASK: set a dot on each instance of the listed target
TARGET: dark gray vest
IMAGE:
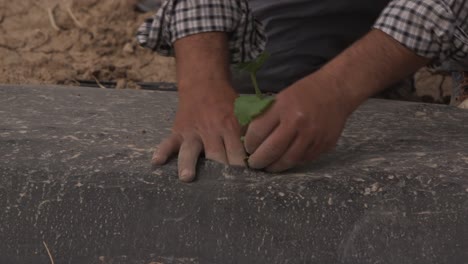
(305, 34)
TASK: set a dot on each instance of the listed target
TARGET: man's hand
(304, 122)
(205, 120)
(308, 117)
(207, 124)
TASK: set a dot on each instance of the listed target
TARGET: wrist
(331, 90)
(206, 92)
(349, 95)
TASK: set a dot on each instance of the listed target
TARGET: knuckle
(230, 125)
(298, 118)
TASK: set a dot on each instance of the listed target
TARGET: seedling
(248, 107)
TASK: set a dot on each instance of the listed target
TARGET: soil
(104, 48)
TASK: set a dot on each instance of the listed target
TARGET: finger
(292, 157)
(234, 149)
(188, 156)
(259, 130)
(273, 147)
(166, 149)
(214, 149)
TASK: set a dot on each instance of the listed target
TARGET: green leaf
(254, 65)
(248, 107)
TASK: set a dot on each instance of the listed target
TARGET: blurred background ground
(32, 51)
(104, 48)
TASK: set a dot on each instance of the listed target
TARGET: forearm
(203, 42)
(367, 67)
(201, 59)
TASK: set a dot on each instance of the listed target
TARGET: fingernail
(186, 176)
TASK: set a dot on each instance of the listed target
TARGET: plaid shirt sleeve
(435, 29)
(181, 18)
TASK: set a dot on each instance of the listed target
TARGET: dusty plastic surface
(75, 174)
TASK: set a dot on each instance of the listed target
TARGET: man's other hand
(308, 117)
(305, 121)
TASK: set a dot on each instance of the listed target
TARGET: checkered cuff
(181, 18)
(434, 29)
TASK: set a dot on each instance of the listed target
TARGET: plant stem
(255, 84)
